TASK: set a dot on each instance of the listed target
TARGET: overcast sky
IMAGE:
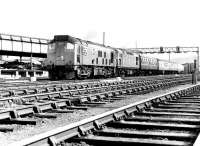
(150, 23)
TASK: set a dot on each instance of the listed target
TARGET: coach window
(96, 60)
(99, 53)
(137, 60)
(104, 54)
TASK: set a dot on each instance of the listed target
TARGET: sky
(126, 23)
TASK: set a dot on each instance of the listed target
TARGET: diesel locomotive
(69, 57)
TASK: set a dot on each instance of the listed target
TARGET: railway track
(169, 119)
(58, 87)
(14, 110)
(44, 88)
(18, 90)
(56, 92)
(13, 85)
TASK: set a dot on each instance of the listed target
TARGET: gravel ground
(24, 131)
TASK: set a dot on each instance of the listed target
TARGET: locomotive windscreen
(64, 38)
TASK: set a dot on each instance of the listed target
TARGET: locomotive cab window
(51, 48)
(70, 46)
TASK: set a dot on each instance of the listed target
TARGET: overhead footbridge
(23, 46)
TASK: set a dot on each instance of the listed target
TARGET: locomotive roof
(68, 38)
(61, 38)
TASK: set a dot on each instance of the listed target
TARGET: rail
(84, 127)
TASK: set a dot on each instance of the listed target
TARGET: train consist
(70, 57)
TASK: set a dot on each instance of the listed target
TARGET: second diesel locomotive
(69, 57)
